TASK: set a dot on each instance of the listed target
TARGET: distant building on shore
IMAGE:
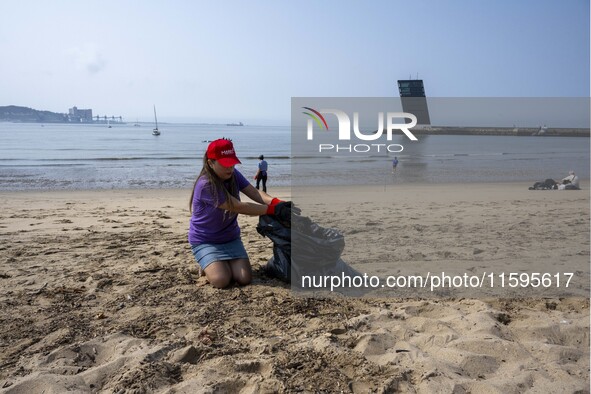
(414, 101)
(76, 115)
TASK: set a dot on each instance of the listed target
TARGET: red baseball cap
(222, 150)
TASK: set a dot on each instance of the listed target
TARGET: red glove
(271, 207)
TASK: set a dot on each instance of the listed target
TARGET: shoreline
(286, 191)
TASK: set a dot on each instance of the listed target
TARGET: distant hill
(13, 113)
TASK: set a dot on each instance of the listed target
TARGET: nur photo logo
(344, 130)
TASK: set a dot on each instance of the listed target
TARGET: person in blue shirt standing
(394, 164)
(261, 174)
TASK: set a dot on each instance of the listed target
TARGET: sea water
(93, 156)
(36, 156)
(444, 159)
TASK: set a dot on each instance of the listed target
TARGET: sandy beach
(100, 293)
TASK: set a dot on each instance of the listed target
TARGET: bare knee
(219, 281)
(218, 274)
(241, 271)
(244, 279)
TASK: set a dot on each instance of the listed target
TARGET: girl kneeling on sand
(214, 234)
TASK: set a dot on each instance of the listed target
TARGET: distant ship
(235, 124)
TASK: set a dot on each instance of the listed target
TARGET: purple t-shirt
(210, 224)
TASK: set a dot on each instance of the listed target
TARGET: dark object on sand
(318, 249)
(548, 184)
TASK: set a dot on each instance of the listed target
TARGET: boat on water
(235, 124)
(155, 131)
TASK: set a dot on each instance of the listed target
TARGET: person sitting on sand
(570, 182)
(214, 234)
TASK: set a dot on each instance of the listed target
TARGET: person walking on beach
(394, 164)
(214, 234)
(261, 174)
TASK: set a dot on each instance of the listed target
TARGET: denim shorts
(205, 254)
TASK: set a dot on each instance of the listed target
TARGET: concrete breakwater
(505, 131)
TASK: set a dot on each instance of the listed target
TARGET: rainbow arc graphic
(317, 116)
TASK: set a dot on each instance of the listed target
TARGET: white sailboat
(155, 131)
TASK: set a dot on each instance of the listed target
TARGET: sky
(229, 61)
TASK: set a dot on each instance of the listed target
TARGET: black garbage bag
(279, 266)
(319, 250)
